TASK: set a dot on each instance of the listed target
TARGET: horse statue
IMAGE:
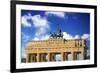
(57, 34)
(53, 35)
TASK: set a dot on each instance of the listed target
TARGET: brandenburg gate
(56, 48)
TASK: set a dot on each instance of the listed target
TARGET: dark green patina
(57, 34)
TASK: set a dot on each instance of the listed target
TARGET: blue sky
(36, 25)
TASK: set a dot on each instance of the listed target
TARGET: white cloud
(43, 37)
(40, 21)
(42, 26)
(24, 21)
(77, 37)
(40, 31)
(67, 36)
(59, 14)
(85, 36)
(35, 38)
(37, 20)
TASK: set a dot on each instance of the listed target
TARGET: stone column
(27, 58)
(38, 57)
(72, 55)
(82, 56)
(62, 55)
(48, 57)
